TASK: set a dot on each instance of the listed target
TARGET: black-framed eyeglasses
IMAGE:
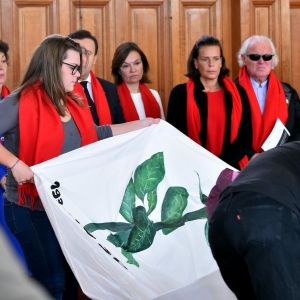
(74, 68)
(257, 57)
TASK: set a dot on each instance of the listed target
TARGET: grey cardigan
(9, 129)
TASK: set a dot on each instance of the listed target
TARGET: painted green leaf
(206, 232)
(174, 203)
(128, 202)
(202, 196)
(130, 258)
(204, 199)
(152, 201)
(142, 234)
(112, 226)
(190, 216)
(119, 239)
(149, 174)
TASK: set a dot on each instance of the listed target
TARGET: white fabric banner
(129, 214)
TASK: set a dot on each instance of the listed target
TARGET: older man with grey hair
(269, 98)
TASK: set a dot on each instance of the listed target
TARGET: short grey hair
(255, 38)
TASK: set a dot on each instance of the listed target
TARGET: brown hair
(4, 49)
(206, 40)
(45, 65)
(121, 54)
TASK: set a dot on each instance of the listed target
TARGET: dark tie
(91, 102)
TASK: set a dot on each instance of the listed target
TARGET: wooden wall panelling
(146, 23)
(269, 17)
(191, 20)
(6, 35)
(63, 17)
(97, 16)
(2, 10)
(295, 44)
(26, 33)
(235, 19)
(284, 41)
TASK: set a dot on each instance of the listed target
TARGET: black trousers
(256, 243)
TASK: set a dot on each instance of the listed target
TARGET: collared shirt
(89, 85)
(260, 90)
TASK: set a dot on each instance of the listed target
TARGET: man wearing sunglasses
(101, 94)
(269, 98)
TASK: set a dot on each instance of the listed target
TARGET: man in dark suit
(101, 94)
(254, 232)
(269, 98)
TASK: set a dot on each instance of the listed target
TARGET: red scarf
(194, 119)
(275, 107)
(5, 91)
(42, 134)
(150, 104)
(100, 101)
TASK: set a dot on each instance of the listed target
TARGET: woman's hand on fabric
(151, 121)
(22, 173)
(133, 125)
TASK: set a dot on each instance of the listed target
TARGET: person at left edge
(104, 100)
(209, 108)
(42, 119)
(4, 91)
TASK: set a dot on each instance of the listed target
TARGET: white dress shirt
(260, 90)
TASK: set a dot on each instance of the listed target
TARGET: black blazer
(232, 153)
(293, 121)
(113, 101)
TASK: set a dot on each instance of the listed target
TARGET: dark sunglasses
(257, 57)
(74, 68)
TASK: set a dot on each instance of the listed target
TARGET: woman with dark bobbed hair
(209, 108)
(130, 70)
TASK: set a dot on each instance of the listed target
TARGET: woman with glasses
(43, 118)
(130, 70)
(209, 108)
(269, 98)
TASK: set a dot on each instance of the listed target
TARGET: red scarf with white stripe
(100, 101)
(150, 104)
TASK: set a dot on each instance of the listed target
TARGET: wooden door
(147, 24)
(189, 21)
(294, 53)
(270, 18)
(23, 25)
(165, 29)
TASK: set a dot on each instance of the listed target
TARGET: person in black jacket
(101, 94)
(254, 232)
(269, 98)
(209, 108)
